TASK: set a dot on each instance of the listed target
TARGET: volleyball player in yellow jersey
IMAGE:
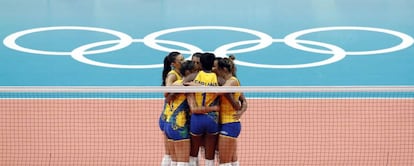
(229, 115)
(177, 124)
(170, 74)
(204, 111)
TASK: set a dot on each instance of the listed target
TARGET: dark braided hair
(207, 61)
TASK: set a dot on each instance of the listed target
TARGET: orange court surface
(104, 132)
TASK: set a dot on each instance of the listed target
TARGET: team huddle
(209, 121)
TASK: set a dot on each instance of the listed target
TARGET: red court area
(108, 132)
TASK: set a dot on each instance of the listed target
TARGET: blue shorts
(177, 127)
(175, 133)
(204, 123)
(162, 121)
(231, 129)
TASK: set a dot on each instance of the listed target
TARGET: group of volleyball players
(193, 120)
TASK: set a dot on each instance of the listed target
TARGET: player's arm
(189, 79)
(221, 81)
(195, 109)
(169, 81)
(243, 108)
(229, 96)
(170, 96)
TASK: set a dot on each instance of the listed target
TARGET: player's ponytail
(168, 60)
(233, 65)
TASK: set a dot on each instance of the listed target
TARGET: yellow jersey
(227, 111)
(178, 109)
(167, 106)
(206, 79)
(178, 75)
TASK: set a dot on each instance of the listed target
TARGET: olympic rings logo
(263, 41)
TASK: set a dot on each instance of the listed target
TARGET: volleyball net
(282, 125)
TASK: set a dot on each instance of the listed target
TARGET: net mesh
(282, 126)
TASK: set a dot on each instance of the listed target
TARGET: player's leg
(182, 151)
(210, 148)
(227, 149)
(196, 137)
(211, 138)
(228, 142)
(166, 160)
(194, 148)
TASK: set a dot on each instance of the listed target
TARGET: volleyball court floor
(276, 43)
